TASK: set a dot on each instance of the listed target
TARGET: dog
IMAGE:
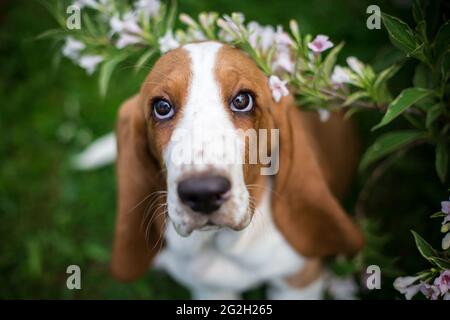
(223, 228)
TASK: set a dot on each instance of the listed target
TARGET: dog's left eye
(162, 109)
(242, 102)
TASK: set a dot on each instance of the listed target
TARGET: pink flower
(445, 207)
(86, 3)
(282, 38)
(278, 88)
(340, 75)
(405, 286)
(355, 65)
(127, 39)
(283, 62)
(90, 62)
(235, 22)
(72, 48)
(168, 42)
(128, 24)
(343, 288)
(261, 37)
(430, 291)
(320, 44)
(443, 282)
(324, 115)
(150, 8)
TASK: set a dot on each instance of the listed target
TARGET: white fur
(202, 142)
(221, 264)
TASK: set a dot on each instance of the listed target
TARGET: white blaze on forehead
(204, 134)
(205, 139)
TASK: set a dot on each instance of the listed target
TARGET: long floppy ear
(134, 244)
(304, 208)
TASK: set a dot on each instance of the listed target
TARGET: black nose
(204, 194)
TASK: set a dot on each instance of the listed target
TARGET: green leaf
(432, 114)
(422, 76)
(438, 214)
(354, 97)
(172, 14)
(425, 249)
(34, 257)
(442, 40)
(143, 59)
(445, 66)
(52, 33)
(351, 111)
(401, 34)
(383, 77)
(90, 26)
(418, 11)
(442, 263)
(106, 71)
(404, 100)
(330, 59)
(387, 144)
(441, 161)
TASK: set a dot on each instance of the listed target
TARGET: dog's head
(193, 147)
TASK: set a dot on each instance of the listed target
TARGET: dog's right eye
(162, 109)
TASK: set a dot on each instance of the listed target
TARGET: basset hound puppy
(220, 227)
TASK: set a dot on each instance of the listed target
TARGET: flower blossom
(90, 62)
(231, 26)
(86, 3)
(443, 282)
(150, 8)
(72, 48)
(343, 288)
(324, 115)
(207, 19)
(168, 42)
(340, 75)
(355, 65)
(278, 88)
(261, 37)
(282, 38)
(127, 28)
(430, 291)
(283, 62)
(320, 44)
(445, 208)
(406, 286)
(127, 39)
(128, 24)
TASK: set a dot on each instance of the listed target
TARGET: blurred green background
(52, 216)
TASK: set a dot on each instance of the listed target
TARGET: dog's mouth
(194, 222)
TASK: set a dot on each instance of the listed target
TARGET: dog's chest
(230, 260)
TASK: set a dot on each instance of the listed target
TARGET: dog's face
(188, 137)
(202, 102)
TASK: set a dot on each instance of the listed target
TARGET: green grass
(52, 216)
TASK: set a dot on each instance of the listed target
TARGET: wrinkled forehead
(229, 67)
